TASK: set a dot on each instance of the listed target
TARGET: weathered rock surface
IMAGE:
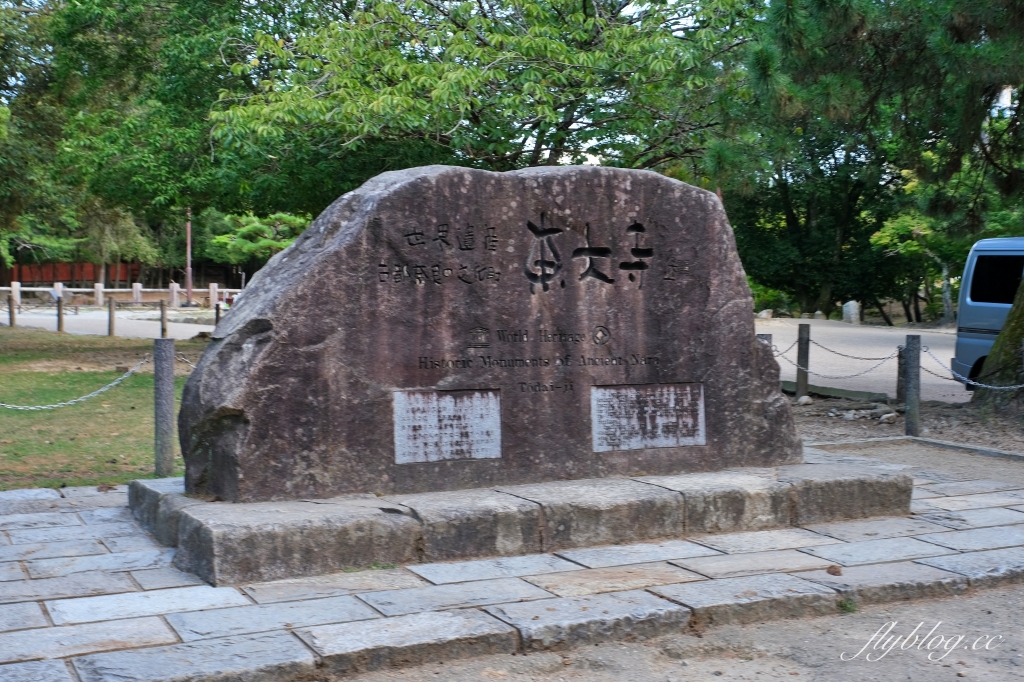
(230, 544)
(443, 328)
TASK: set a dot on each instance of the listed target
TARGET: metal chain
(845, 376)
(852, 357)
(964, 379)
(936, 374)
(84, 397)
(182, 358)
(778, 352)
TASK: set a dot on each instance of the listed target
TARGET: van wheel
(975, 371)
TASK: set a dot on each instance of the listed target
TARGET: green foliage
(250, 238)
(877, 149)
(520, 83)
(847, 605)
(766, 298)
(860, 147)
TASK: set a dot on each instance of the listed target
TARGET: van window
(996, 278)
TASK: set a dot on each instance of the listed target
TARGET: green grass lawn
(107, 439)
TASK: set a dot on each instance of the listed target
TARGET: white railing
(174, 293)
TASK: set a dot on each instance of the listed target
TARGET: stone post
(901, 377)
(137, 292)
(60, 313)
(912, 384)
(16, 292)
(213, 295)
(58, 290)
(803, 358)
(111, 315)
(12, 310)
(163, 319)
(163, 387)
(851, 312)
(97, 294)
(175, 295)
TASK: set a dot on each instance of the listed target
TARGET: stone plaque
(443, 328)
(639, 417)
(431, 426)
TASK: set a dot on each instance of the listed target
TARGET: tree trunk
(917, 307)
(881, 309)
(906, 311)
(824, 302)
(947, 296)
(1004, 365)
(101, 275)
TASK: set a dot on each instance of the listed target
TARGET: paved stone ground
(86, 595)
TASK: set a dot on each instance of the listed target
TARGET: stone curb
(573, 621)
(561, 623)
(945, 444)
(227, 543)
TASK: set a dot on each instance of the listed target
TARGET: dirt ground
(953, 422)
(808, 649)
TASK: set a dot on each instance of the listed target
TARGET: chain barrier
(106, 388)
(964, 379)
(844, 376)
(937, 375)
(182, 358)
(852, 357)
(777, 352)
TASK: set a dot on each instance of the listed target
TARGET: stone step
(226, 543)
(368, 642)
(323, 626)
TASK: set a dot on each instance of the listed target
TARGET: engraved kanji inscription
(491, 239)
(466, 238)
(640, 253)
(415, 237)
(591, 252)
(433, 426)
(648, 416)
(442, 236)
(543, 263)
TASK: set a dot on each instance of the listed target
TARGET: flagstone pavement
(87, 595)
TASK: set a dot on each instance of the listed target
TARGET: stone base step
(547, 624)
(226, 544)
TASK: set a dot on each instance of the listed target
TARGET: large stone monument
(444, 328)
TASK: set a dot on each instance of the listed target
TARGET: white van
(991, 277)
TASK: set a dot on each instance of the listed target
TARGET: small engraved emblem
(602, 336)
(479, 337)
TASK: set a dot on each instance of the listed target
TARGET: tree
(500, 85)
(906, 95)
(1004, 365)
(242, 239)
